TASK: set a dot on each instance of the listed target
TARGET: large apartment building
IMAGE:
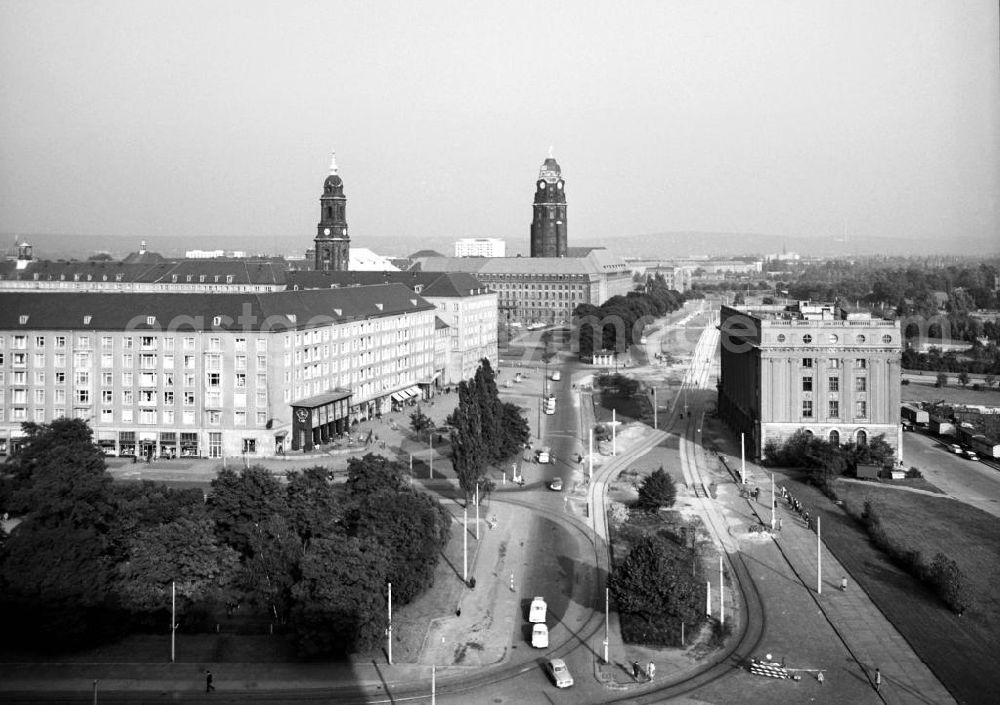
(212, 375)
(465, 306)
(809, 366)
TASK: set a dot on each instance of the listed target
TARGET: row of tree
(979, 359)
(826, 460)
(484, 430)
(619, 322)
(92, 559)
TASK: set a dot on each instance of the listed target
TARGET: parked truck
(914, 415)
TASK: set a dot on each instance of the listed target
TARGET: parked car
(559, 673)
(955, 448)
(556, 484)
(970, 454)
(537, 610)
(540, 636)
(544, 455)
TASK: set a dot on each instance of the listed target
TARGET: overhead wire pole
(773, 505)
(590, 456)
(388, 631)
(614, 435)
(173, 620)
(607, 631)
(819, 561)
(722, 605)
(465, 545)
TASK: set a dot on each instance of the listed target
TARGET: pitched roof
(444, 284)
(242, 271)
(279, 310)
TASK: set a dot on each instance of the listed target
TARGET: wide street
(974, 482)
(553, 543)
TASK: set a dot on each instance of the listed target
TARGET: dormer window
(118, 277)
(188, 278)
(76, 277)
(87, 320)
(378, 306)
(229, 279)
(201, 279)
(150, 320)
(417, 289)
(173, 278)
(339, 311)
(291, 317)
(23, 320)
(217, 320)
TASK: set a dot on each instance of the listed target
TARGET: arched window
(835, 438)
(809, 433)
(862, 438)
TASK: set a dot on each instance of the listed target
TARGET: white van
(540, 636)
(536, 612)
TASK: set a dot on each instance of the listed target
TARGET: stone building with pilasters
(809, 366)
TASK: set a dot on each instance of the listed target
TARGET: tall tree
(340, 604)
(487, 397)
(241, 501)
(313, 507)
(468, 452)
(421, 423)
(185, 552)
(657, 490)
(651, 584)
(412, 527)
(374, 473)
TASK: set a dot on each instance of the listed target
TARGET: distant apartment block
(809, 366)
(542, 289)
(481, 247)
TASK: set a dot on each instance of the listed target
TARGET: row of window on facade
(833, 409)
(82, 378)
(164, 417)
(833, 363)
(833, 339)
(833, 384)
(127, 342)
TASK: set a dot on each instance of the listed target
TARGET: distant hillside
(665, 244)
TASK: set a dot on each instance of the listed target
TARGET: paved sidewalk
(868, 635)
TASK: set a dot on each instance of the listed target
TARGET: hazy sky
(798, 118)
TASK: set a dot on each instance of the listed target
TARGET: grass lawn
(961, 651)
(924, 390)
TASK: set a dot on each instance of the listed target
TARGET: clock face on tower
(541, 185)
(326, 231)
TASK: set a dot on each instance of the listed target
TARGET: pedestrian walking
(843, 584)
(208, 682)
(635, 670)
(819, 677)
(878, 680)
(779, 523)
(651, 671)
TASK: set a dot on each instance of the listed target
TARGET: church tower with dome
(333, 245)
(548, 226)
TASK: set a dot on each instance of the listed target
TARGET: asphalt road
(970, 481)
